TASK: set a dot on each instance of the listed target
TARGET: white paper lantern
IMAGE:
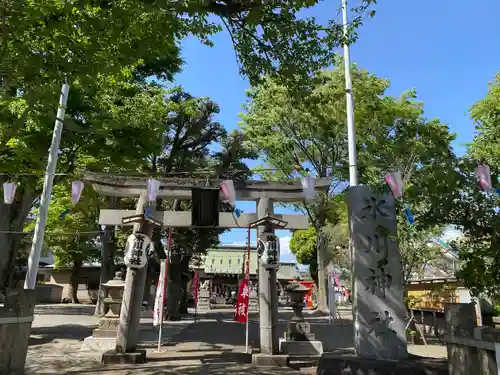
(483, 174)
(136, 250)
(395, 182)
(309, 187)
(269, 246)
(228, 191)
(9, 192)
(76, 191)
(153, 187)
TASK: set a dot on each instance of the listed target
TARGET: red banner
(196, 286)
(242, 303)
(241, 314)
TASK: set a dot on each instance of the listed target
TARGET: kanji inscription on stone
(379, 307)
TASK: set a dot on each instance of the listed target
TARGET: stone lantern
(299, 340)
(104, 336)
(113, 295)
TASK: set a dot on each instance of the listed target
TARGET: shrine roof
(180, 188)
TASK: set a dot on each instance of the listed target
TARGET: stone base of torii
(264, 193)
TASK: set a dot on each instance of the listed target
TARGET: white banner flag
(309, 187)
(9, 192)
(76, 191)
(160, 294)
(153, 187)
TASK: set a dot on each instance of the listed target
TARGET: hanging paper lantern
(76, 191)
(9, 192)
(309, 187)
(153, 187)
(395, 183)
(228, 191)
(483, 174)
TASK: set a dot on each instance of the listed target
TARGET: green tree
(87, 39)
(183, 139)
(308, 136)
(73, 239)
(463, 203)
(485, 114)
(45, 42)
(106, 126)
(417, 249)
(303, 246)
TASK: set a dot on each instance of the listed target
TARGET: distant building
(223, 266)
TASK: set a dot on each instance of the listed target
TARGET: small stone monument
(104, 336)
(299, 340)
(253, 298)
(204, 296)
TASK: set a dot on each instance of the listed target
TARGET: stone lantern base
(104, 336)
(299, 340)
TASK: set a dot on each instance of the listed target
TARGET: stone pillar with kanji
(378, 305)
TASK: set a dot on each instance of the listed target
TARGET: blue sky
(446, 50)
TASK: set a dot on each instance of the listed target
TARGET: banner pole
(246, 334)
(164, 289)
(247, 275)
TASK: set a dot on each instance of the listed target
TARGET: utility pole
(36, 247)
(351, 128)
(351, 142)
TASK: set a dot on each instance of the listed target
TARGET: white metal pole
(36, 247)
(351, 129)
(160, 332)
(162, 304)
(246, 333)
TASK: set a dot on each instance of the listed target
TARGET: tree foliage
(463, 204)
(486, 114)
(46, 40)
(417, 249)
(308, 136)
(72, 236)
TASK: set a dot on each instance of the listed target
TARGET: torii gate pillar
(268, 294)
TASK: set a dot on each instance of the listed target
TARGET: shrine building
(223, 266)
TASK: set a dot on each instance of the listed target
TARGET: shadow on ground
(220, 332)
(44, 335)
(211, 345)
(62, 309)
(193, 369)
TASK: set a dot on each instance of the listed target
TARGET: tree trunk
(183, 306)
(74, 281)
(12, 219)
(174, 286)
(107, 266)
(151, 277)
(322, 276)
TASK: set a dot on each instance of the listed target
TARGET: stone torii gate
(262, 192)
